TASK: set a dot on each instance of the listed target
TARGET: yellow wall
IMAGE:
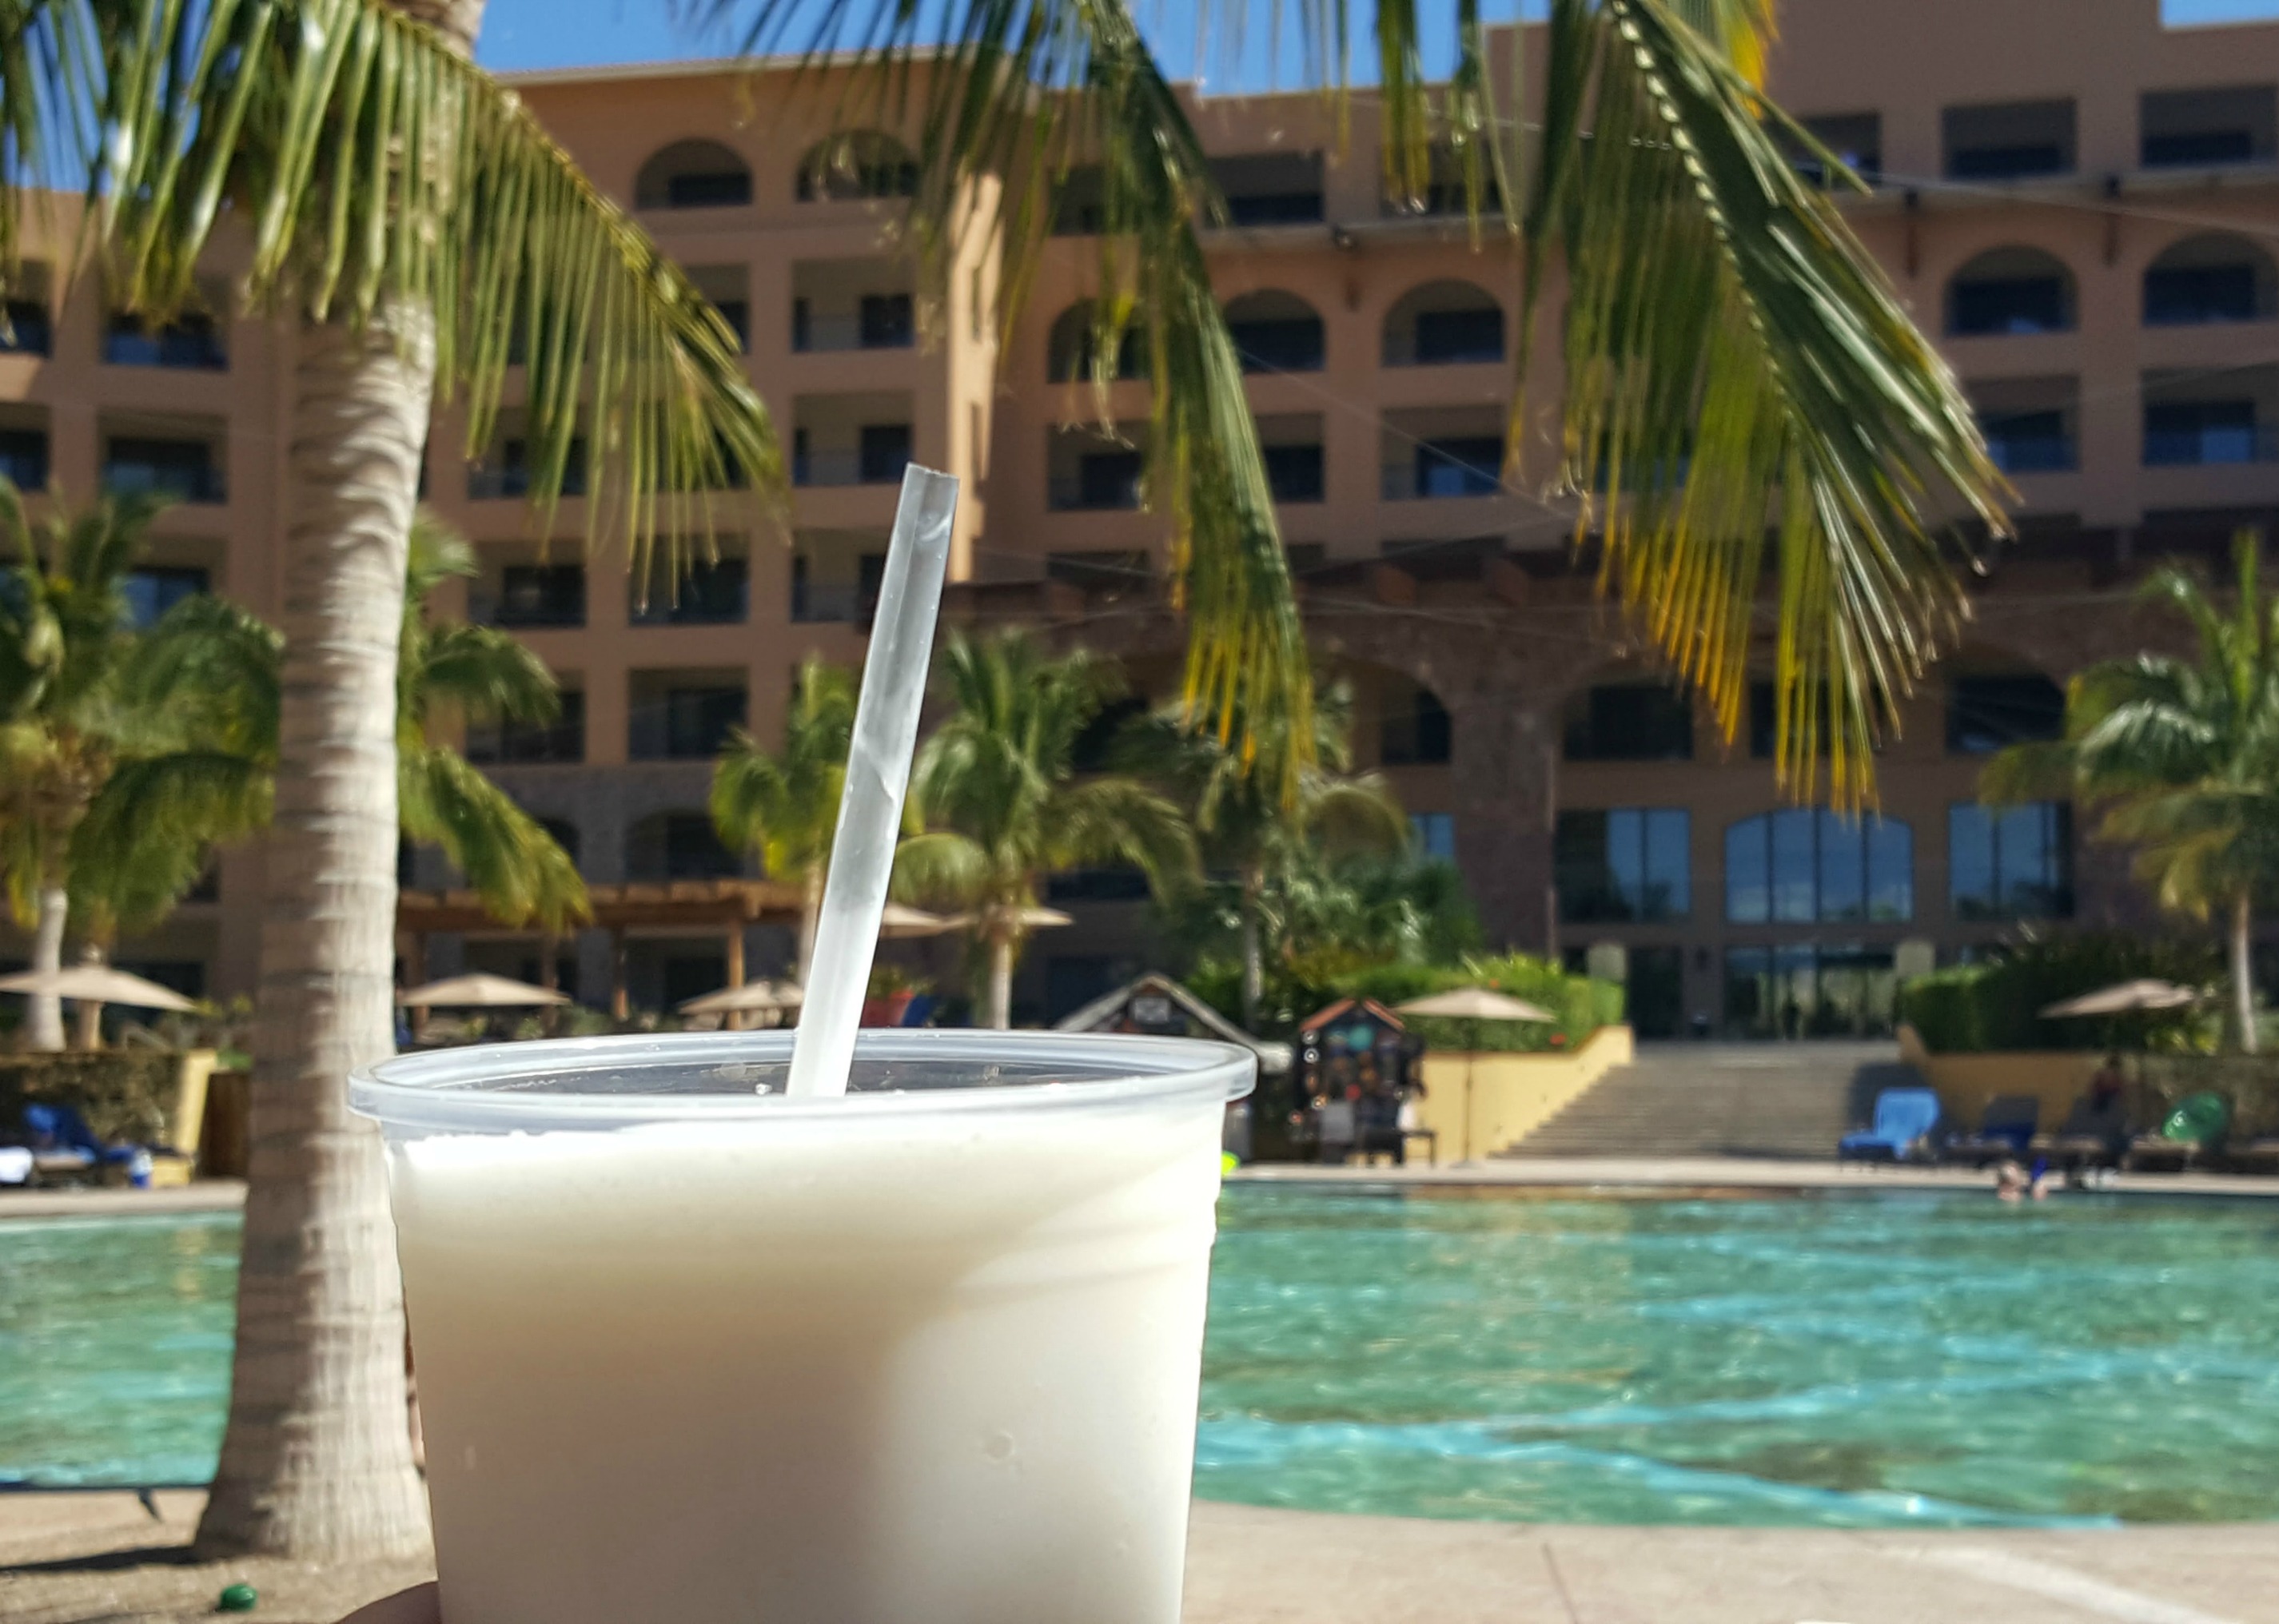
(1480, 1103)
(1965, 1083)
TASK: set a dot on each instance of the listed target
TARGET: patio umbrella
(479, 992)
(2124, 997)
(1031, 918)
(901, 920)
(96, 983)
(1476, 1005)
(762, 995)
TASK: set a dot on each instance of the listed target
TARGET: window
(509, 472)
(1630, 722)
(191, 342)
(693, 175)
(683, 720)
(183, 469)
(1270, 188)
(1856, 138)
(1803, 865)
(2193, 433)
(541, 595)
(1106, 479)
(862, 164)
(2022, 442)
(24, 458)
(1432, 836)
(1068, 357)
(1986, 713)
(1803, 989)
(2208, 125)
(24, 328)
(1459, 465)
(2212, 278)
(1628, 864)
(885, 452)
(2010, 291)
(710, 593)
(1415, 730)
(2009, 141)
(2010, 862)
(671, 845)
(1276, 331)
(1444, 324)
(885, 321)
(1293, 473)
(151, 591)
(533, 743)
(738, 314)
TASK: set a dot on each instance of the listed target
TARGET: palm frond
(372, 166)
(1112, 820)
(943, 867)
(518, 869)
(483, 673)
(1739, 372)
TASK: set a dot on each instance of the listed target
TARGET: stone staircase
(1777, 1100)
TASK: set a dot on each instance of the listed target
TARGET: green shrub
(1994, 1004)
(125, 1094)
(1581, 1004)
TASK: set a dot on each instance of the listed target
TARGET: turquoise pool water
(1858, 1360)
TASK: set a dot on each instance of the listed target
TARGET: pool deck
(211, 1195)
(1248, 1566)
(1707, 1173)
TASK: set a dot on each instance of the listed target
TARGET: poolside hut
(1357, 1062)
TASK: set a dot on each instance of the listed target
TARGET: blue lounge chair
(2006, 1131)
(1904, 1120)
(62, 1144)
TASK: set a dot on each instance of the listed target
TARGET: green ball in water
(237, 1598)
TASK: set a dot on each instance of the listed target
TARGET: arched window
(1068, 357)
(1804, 866)
(1444, 324)
(693, 175)
(858, 165)
(2011, 290)
(1276, 331)
(565, 833)
(671, 846)
(2210, 277)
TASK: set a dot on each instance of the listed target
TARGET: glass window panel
(2032, 861)
(1842, 868)
(1792, 864)
(1668, 892)
(1748, 894)
(1579, 857)
(1626, 862)
(1748, 974)
(1970, 863)
(1890, 870)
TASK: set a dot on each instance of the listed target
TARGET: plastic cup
(926, 1353)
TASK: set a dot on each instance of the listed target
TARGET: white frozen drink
(926, 1357)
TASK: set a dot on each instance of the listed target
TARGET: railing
(827, 468)
(193, 349)
(490, 484)
(2039, 454)
(26, 471)
(491, 609)
(847, 604)
(523, 744)
(1075, 493)
(24, 331)
(1442, 478)
(821, 334)
(2210, 447)
(186, 484)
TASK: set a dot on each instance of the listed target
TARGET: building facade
(2080, 205)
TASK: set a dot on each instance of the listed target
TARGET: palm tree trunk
(1253, 953)
(2243, 971)
(317, 1460)
(810, 911)
(44, 1021)
(999, 1015)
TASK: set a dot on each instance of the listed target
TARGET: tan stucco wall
(1480, 1103)
(1966, 1083)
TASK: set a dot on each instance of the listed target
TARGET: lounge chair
(2197, 1124)
(1904, 1120)
(2005, 1130)
(64, 1148)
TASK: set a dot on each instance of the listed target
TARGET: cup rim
(494, 1088)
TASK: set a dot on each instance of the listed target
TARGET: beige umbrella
(901, 920)
(2124, 997)
(762, 995)
(1475, 1004)
(96, 983)
(479, 992)
(1027, 919)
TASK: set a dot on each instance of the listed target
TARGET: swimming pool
(1879, 1360)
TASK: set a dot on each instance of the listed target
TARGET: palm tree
(996, 787)
(1744, 397)
(2182, 755)
(224, 783)
(410, 215)
(1253, 823)
(786, 807)
(75, 711)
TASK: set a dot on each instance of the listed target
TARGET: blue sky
(542, 34)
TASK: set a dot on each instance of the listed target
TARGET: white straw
(878, 772)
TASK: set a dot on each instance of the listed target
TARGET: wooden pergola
(680, 907)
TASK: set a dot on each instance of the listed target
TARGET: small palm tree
(1252, 822)
(997, 789)
(223, 783)
(786, 806)
(2182, 755)
(75, 710)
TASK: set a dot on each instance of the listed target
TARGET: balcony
(2011, 292)
(2208, 127)
(527, 744)
(24, 458)
(2010, 141)
(1101, 482)
(154, 589)
(844, 304)
(26, 328)
(507, 473)
(190, 342)
(2030, 442)
(1445, 324)
(684, 715)
(1270, 188)
(2212, 279)
(531, 596)
(729, 290)
(879, 458)
(708, 593)
(1295, 463)
(2208, 433)
(1441, 453)
(1276, 331)
(1855, 138)
(186, 470)
(835, 576)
